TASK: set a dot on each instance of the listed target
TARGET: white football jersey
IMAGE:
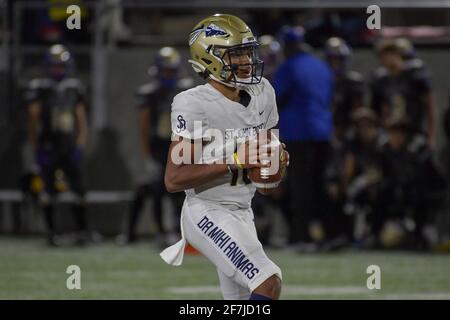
(211, 110)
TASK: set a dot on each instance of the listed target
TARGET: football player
(235, 103)
(57, 132)
(412, 184)
(401, 90)
(270, 53)
(154, 100)
(348, 86)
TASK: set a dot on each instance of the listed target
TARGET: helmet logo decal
(210, 31)
(194, 34)
(214, 30)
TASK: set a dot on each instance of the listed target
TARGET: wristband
(236, 159)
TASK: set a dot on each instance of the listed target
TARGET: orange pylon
(191, 250)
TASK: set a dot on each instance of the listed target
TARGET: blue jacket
(304, 88)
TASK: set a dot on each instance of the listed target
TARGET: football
(268, 178)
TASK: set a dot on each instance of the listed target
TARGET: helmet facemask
(241, 64)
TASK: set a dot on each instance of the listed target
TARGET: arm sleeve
(188, 119)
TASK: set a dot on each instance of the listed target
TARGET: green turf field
(30, 270)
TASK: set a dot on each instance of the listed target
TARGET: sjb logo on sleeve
(181, 124)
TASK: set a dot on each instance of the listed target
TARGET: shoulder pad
(417, 143)
(147, 89)
(202, 93)
(257, 89)
(265, 81)
(415, 64)
(185, 83)
(193, 98)
(40, 83)
(382, 140)
(380, 72)
(355, 76)
(74, 83)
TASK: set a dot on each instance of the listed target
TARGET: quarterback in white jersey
(233, 106)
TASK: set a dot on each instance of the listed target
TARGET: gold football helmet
(167, 57)
(337, 47)
(223, 48)
(406, 48)
(270, 49)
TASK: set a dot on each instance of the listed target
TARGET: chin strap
(201, 69)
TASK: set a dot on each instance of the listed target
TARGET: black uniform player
(57, 132)
(411, 181)
(361, 174)
(349, 85)
(348, 96)
(403, 89)
(154, 102)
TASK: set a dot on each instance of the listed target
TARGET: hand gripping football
(271, 152)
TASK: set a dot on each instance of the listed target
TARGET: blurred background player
(401, 89)
(270, 52)
(348, 85)
(304, 89)
(361, 173)
(57, 133)
(154, 103)
(411, 183)
(348, 96)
